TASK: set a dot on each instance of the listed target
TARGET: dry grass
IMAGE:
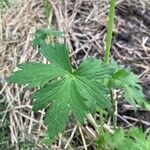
(84, 22)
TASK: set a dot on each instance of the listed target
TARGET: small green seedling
(133, 139)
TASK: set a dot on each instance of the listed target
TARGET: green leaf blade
(77, 103)
(57, 54)
(92, 92)
(48, 93)
(57, 118)
(93, 68)
(63, 98)
(35, 74)
(129, 83)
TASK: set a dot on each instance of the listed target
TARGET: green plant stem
(107, 52)
(114, 115)
(108, 45)
(109, 30)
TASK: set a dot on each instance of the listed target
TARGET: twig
(82, 136)
(72, 134)
(137, 120)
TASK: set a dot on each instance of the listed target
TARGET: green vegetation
(4, 4)
(110, 30)
(134, 139)
(63, 89)
(66, 89)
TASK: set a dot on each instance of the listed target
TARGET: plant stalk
(107, 53)
(114, 113)
(109, 30)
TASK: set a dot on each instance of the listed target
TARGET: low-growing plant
(133, 139)
(64, 90)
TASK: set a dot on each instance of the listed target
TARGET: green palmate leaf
(93, 92)
(35, 74)
(43, 96)
(128, 82)
(94, 69)
(63, 91)
(57, 118)
(65, 95)
(64, 98)
(57, 54)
